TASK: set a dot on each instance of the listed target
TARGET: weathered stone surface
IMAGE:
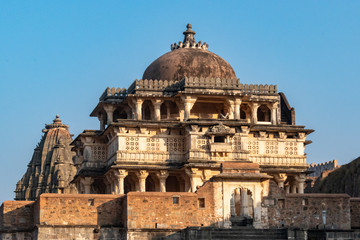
(171, 153)
(51, 168)
(17, 216)
(355, 212)
(189, 60)
(345, 179)
(305, 211)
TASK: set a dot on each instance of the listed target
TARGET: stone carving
(51, 168)
(253, 146)
(219, 129)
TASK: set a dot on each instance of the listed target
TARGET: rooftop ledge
(191, 83)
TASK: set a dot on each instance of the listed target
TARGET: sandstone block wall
(155, 210)
(305, 211)
(16, 215)
(80, 209)
(355, 212)
(79, 233)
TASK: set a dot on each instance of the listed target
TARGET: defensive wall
(145, 215)
(321, 167)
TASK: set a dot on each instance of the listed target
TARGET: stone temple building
(51, 168)
(186, 152)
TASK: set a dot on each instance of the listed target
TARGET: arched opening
(169, 110)
(210, 108)
(241, 207)
(98, 187)
(129, 184)
(147, 110)
(150, 184)
(172, 184)
(173, 110)
(244, 112)
(263, 114)
(163, 111)
(122, 113)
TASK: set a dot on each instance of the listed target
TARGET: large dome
(189, 59)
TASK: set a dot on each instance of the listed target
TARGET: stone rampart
(355, 212)
(90, 216)
(16, 215)
(321, 167)
(80, 209)
(167, 210)
(305, 211)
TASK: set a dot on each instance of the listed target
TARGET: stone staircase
(245, 233)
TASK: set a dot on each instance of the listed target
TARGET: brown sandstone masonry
(355, 212)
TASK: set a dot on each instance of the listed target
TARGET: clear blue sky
(57, 57)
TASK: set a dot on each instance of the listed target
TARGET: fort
(321, 167)
(186, 152)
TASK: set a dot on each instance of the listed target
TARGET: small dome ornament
(189, 40)
(57, 119)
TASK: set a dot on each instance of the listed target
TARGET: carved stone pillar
(168, 111)
(274, 113)
(293, 187)
(300, 182)
(188, 104)
(231, 109)
(138, 106)
(162, 175)
(254, 109)
(157, 104)
(142, 175)
(109, 178)
(120, 175)
(287, 188)
(280, 178)
(109, 112)
(244, 202)
(102, 121)
(237, 109)
(195, 177)
(86, 182)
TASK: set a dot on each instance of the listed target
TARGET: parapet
(321, 167)
(188, 84)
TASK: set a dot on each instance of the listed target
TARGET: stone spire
(51, 168)
(189, 40)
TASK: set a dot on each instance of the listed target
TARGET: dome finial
(57, 119)
(189, 35)
(189, 40)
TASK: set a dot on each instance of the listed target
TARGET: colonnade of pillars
(294, 184)
(116, 180)
(185, 110)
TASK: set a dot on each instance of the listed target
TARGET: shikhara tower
(51, 168)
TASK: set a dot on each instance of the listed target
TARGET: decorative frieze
(272, 147)
(132, 143)
(291, 148)
(202, 142)
(175, 144)
(236, 142)
(152, 144)
(253, 146)
(98, 153)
